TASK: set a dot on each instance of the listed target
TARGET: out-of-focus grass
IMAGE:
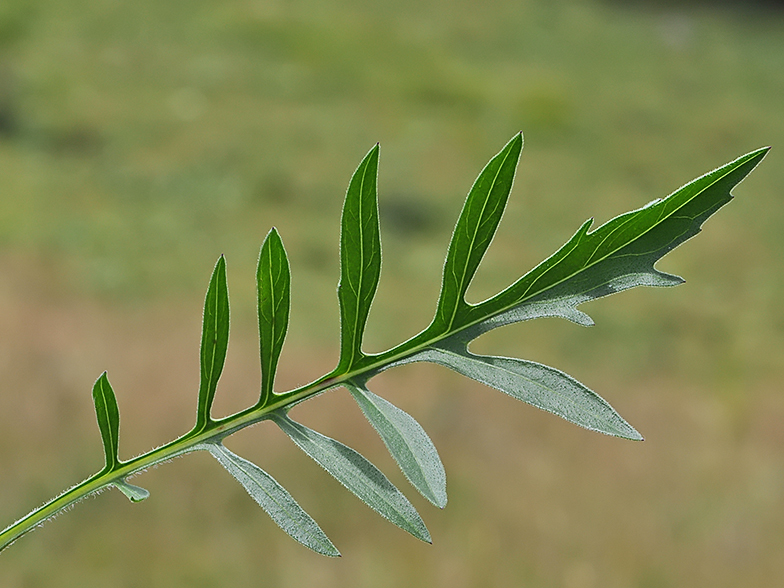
(138, 141)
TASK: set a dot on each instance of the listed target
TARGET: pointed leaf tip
(474, 232)
(618, 255)
(214, 341)
(273, 281)
(360, 258)
(536, 384)
(275, 500)
(108, 415)
(356, 474)
(407, 442)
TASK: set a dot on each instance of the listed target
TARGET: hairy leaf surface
(275, 500)
(357, 474)
(360, 259)
(273, 279)
(407, 442)
(214, 341)
(536, 384)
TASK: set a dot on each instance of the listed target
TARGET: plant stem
(192, 441)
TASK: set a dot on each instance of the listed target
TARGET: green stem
(222, 428)
(190, 442)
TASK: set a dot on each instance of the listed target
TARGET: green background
(140, 140)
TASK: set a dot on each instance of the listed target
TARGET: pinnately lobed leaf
(273, 279)
(619, 255)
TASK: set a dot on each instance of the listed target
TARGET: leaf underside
(357, 474)
(619, 255)
(407, 442)
(275, 500)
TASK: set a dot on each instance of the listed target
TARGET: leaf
(620, 254)
(360, 259)
(473, 233)
(538, 385)
(214, 341)
(134, 493)
(617, 256)
(407, 442)
(275, 500)
(357, 474)
(273, 279)
(108, 420)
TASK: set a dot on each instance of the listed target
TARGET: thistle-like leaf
(275, 500)
(108, 420)
(214, 341)
(273, 279)
(357, 474)
(407, 442)
(360, 259)
(473, 233)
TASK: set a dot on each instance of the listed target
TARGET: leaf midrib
(241, 466)
(355, 334)
(291, 426)
(112, 459)
(553, 391)
(402, 437)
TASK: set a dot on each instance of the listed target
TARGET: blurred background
(140, 140)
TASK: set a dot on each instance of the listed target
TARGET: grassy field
(140, 140)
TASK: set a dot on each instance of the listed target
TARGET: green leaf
(357, 474)
(134, 493)
(360, 259)
(275, 500)
(407, 442)
(214, 341)
(620, 254)
(473, 233)
(538, 385)
(617, 256)
(108, 420)
(273, 279)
